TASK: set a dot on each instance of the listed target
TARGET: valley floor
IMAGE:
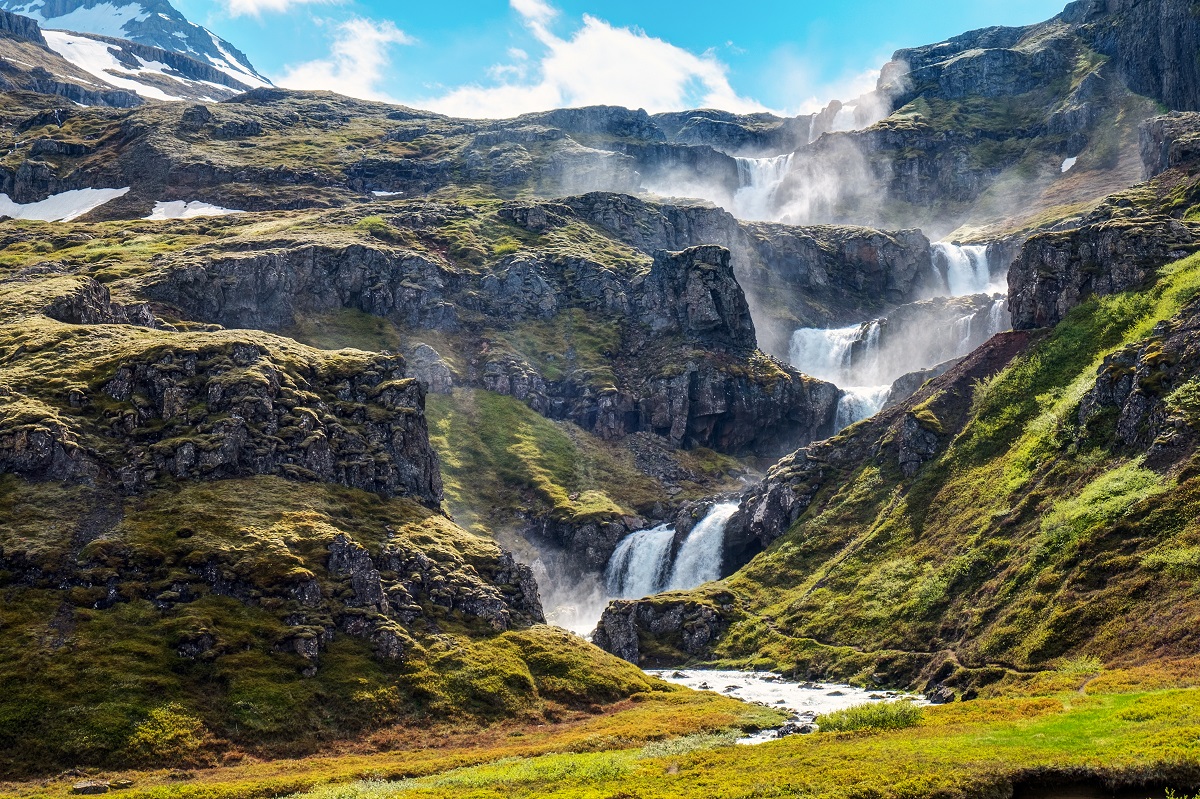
(681, 745)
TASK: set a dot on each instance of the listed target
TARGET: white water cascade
(759, 179)
(864, 360)
(699, 558)
(848, 357)
(639, 565)
(968, 269)
(642, 563)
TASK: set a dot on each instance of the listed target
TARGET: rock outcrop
(689, 627)
(687, 367)
(221, 409)
(817, 276)
(1147, 391)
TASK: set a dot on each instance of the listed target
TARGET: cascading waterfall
(699, 559)
(848, 357)
(859, 402)
(759, 179)
(999, 317)
(967, 269)
(642, 563)
(863, 361)
(639, 565)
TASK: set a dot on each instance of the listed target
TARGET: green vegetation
(500, 459)
(93, 682)
(872, 716)
(678, 744)
(664, 722)
(1016, 549)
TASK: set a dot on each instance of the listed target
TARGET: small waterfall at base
(967, 268)
(699, 559)
(641, 564)
(759, 179)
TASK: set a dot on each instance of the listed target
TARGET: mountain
(314, 411)
(91, 69)
(153, 23)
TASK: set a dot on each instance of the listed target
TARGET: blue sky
(501, 57)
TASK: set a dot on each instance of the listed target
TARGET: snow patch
(60, 207)
(188, 210)
(96, 58)
(387, 193)
(106, 19)
(1068, 163)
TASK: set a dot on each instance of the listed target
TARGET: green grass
(106, 686)
(975, 749)
(872, 716)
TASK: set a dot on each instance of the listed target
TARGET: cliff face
(209, 512)
(817, 276)
(684, 353)
(20, 27)
(1153, 42)
(1123, 243)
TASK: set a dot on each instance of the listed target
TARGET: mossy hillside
(1027, 543)
(141, 572)
(503, 464)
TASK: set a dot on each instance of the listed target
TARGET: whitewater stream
(805, 700)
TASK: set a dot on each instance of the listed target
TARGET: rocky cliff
(1123, 243)
(1021, 509)
(683, 349)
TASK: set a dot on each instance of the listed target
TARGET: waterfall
(759, 179)
(967, 269)
(834, 354)
(642, 565)
(859, 402)
(699, 559)
(999, 318)
(639, 565)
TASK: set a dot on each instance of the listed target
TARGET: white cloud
(535, 12)
(358, 59)
(598, 64)
(255, 8)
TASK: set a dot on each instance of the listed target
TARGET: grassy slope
(391, 753)
(1026, 544)
(974, 750)
(83, 683)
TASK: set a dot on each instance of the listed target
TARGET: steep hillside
(245, 530)
(1031, 509)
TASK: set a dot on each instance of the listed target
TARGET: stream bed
(805, 700)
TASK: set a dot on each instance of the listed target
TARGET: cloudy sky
(502, 57)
